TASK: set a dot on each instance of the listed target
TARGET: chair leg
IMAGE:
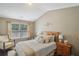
(14, 43)
(4, 50)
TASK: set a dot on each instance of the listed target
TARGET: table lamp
(61, 37)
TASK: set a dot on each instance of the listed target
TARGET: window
(19, 31)
(23, 30)
(15, 26)
(23, 27)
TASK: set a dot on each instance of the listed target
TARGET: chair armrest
(12, 41)
(2, 44)
(2, 41)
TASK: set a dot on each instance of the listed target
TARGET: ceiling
(23, 11)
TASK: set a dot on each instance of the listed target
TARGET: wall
(3, 27)
(65, 21)
(5, 21)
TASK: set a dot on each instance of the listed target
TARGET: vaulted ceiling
(23, 11)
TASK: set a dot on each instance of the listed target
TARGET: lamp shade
(61, 36)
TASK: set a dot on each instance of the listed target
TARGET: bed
(35, 48)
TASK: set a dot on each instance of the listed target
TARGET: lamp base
(62, 41)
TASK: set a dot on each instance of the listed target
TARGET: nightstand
(63, 49)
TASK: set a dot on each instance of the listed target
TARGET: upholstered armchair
(5, 42)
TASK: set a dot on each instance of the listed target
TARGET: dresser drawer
(63, 49)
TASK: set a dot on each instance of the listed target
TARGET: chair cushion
(9, 44)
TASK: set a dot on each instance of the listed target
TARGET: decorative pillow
(49, 38)
(52, 38)
(46, 39)
(41, 40)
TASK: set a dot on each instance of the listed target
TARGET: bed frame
(54, 33)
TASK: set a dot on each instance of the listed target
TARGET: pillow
(40, 39)
(49, 38)
(46, 40)
(43, 38)
(52, 38)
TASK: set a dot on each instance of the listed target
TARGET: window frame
(19, 30)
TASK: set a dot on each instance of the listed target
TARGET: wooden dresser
(63, 49)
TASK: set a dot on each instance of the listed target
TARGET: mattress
(40, 49)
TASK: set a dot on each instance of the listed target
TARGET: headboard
(54, 33)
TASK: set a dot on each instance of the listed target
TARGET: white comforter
(32, 47)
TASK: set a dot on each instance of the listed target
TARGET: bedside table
(63, 49)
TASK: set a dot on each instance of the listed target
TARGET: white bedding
(39, 49)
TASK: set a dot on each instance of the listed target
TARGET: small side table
(63, 49)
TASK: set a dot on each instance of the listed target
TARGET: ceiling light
(30, 2)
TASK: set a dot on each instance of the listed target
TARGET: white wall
(65, 21)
